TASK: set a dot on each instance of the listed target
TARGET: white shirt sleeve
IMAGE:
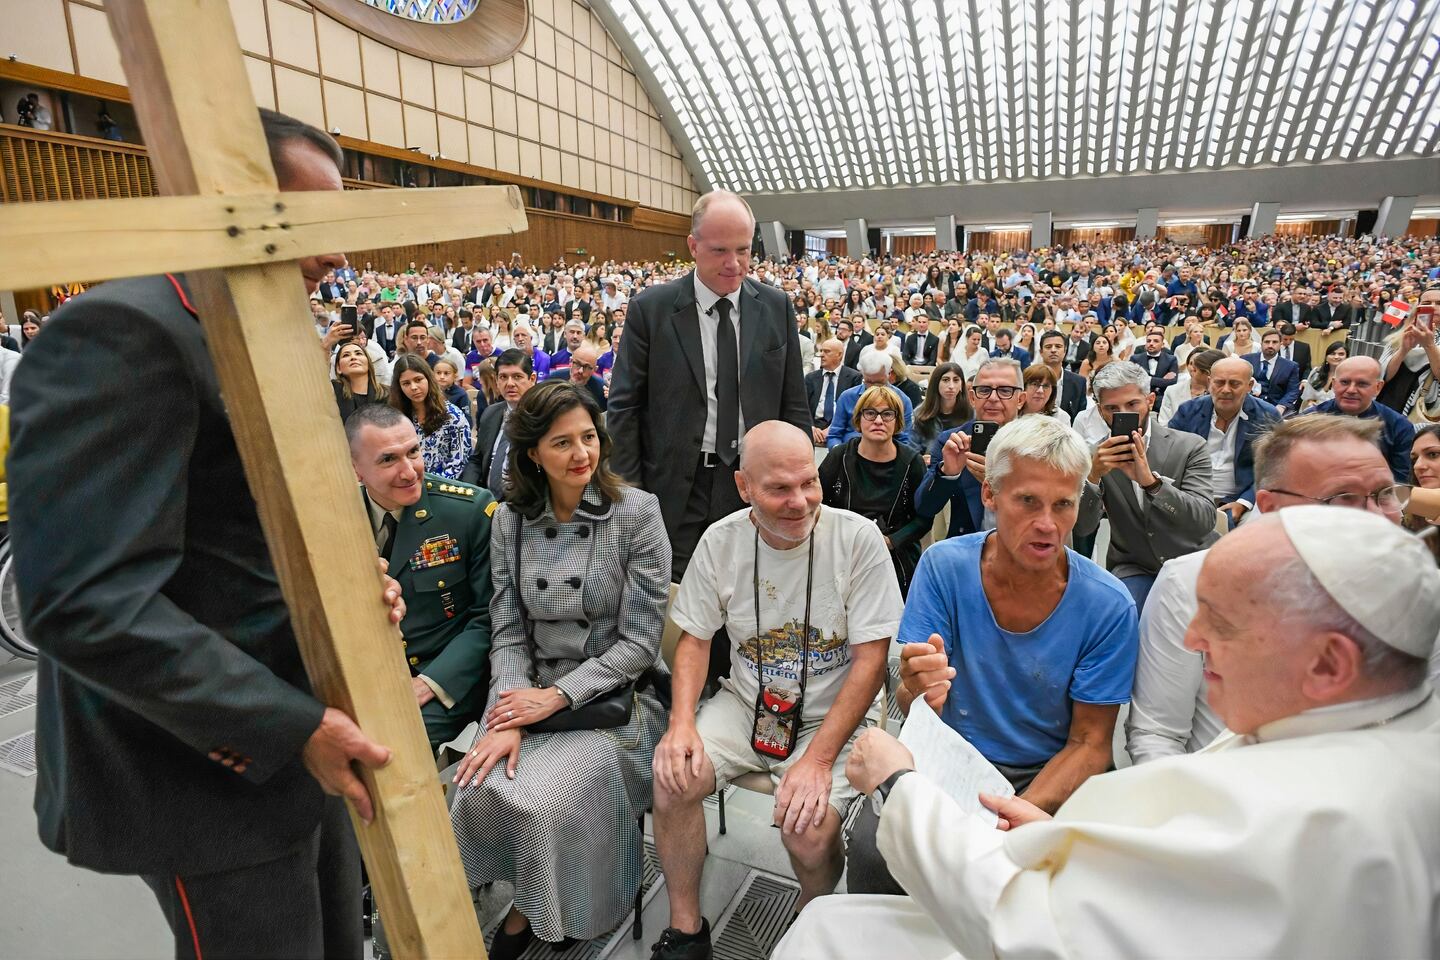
(1168, 678)
(698, 609)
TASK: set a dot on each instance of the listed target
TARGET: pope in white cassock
(1310, 828)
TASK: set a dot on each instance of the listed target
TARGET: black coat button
(574, 582)
(551, 533)
(583, 532)
(542, 583)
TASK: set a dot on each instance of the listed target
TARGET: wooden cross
(225, 220)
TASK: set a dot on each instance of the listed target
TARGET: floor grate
(18, 755)
(17, 694)
(757, 917)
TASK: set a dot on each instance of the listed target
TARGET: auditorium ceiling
(803, 95)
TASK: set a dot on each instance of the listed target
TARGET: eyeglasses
(1005, 393)
(1392, 499)
(885, 416)
(582, 366)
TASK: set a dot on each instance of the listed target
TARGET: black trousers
(303, 904)
(865, 869)
(713, 496)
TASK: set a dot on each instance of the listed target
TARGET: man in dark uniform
(177, 735)
(435, 535)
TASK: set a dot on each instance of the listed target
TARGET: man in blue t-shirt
(1023, 646)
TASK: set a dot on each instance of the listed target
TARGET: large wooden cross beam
(193, 101)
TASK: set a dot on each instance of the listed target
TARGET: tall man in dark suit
(824, 386)
(487, 464)
(178, 737)
(706, 358)
(1277, 378)
(1296, 310)
(1333, 313)
(1072, 386)
(1077, 348)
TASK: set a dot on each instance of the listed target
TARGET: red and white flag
(1396, 312)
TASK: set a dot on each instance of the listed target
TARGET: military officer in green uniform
(435, 535)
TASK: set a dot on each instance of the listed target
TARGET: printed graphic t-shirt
(855, 599)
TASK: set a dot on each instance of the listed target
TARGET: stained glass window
(427, 11)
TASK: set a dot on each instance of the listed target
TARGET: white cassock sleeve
(951, 863)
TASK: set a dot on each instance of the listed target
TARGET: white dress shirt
(705, 300)
(1221, 445)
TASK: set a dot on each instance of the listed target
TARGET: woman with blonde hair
(877, 477)
(1241, 343)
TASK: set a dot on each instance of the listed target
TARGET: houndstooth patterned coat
(564, 830)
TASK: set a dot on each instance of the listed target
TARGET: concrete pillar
(772, 238)
(1147, 223)
(857, 241)
(1394, 216)
(945, 232)
(1040, 229)
(1262, 219)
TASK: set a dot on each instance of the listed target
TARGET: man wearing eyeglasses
(997, 394)
(1357, 383)
(1327, 460)
(581, 372)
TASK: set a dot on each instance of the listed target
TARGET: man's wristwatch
(1154, 488)
(882, 793)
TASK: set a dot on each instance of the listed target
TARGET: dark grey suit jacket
(477, 468)
(1177, 520)
(657, 392)
(146, 582)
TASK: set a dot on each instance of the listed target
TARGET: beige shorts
(725, 722)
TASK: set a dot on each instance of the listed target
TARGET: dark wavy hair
(930, 407)
(527, 489)
(437, 413)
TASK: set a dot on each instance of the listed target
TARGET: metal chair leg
(721, 795)
(637, 928)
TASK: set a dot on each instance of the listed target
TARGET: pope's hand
(390, 592)
(330, 754)
(874, 757)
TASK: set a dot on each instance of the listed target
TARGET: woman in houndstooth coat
(556, 813)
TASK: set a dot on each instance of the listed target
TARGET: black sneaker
(675, 945)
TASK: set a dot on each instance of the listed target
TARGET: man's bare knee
(817, 842)
(698, 788)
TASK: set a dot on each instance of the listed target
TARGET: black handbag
(604, 712)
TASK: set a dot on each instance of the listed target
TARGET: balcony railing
(46, 165)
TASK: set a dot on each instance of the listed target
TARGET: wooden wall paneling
(837, 246)
(1307, 228)
(905, 246)
(1423, 228)
(1001, 241)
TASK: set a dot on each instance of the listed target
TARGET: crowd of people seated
(812, 468)
(1156, 387)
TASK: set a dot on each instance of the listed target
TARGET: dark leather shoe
(674, 945)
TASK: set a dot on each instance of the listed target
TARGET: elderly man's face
(994, 380)
(1253, 671)
(573, 337)
(783, 490)
(1230, 381)
(1357, 384)
(521, 338)
(1035, 509)
(582, 364)
(1318, 470)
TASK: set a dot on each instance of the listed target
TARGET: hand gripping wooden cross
(226, 224)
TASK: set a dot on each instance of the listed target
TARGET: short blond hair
(884, 397)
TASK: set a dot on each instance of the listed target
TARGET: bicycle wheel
(12, 634)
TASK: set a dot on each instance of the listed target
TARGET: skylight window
(775, 94)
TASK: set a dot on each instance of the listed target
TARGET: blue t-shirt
(1012, 693)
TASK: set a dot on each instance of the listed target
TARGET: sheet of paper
(949, 760)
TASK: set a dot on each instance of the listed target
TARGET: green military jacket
(441, 558)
